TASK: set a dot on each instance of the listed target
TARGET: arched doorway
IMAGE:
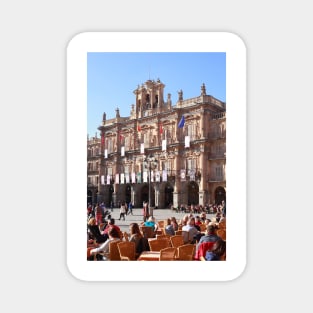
(144, 194)
(220, 195)
(193, 193)
(128, 194)
(168, 196)
(111, 191)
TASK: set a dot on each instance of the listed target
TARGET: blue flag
(181, 122)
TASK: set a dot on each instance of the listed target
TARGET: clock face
(183, 175)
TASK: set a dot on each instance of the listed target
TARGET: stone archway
(111, 191)
(128, 194)
(220, 195)
(168, 196)
(193, 193)
(144, 194)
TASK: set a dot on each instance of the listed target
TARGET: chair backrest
(185, 235)
(221, 233)
(186, 252)
(203, 248)
(161, 224)
(127, 249)
(168, 254)
(177, 240)
(166, 237)
(178, 232)
(147, 231)
(158, 244)
(202, 228)
(114, 252)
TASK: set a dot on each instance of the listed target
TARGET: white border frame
(77, 155)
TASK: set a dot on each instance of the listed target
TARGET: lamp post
(151, 160)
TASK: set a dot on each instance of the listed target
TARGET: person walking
(130, 208)
(145, 211)
(122, 211)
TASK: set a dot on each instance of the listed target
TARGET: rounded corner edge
(75, 39)
(239, 272)
(74, 275)
(237, 38)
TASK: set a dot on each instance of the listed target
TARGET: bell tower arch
(149, 97)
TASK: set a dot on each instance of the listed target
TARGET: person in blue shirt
(130, 208)
(218, 250)
(151, 223)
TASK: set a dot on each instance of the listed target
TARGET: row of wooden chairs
(126, 251)
(181, 253)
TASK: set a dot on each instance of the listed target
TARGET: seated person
(218, 250)
(151, 223)
(191, 230)
(141, 243)
(169, 228)
(111, 224)
(210, 236)
(95, 231)
(104, 249)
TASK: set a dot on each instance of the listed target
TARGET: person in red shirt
(111, 224)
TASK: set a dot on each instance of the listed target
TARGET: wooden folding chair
(167, 237)
(147, 231)
(127, 250)
(203, 228)
(221, 233)
(158, 244)
(114, 254)
(186, 252)
(168, 254)
(177, 240)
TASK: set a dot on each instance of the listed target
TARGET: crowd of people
(196, 227)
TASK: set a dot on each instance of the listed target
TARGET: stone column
(203, 193)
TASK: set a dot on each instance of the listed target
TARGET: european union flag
(181, 122)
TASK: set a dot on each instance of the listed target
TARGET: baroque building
(93, 168)
(168, 154)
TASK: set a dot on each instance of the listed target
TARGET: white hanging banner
(151, 176)
(105, 153)
(182, 175)
(164, 175)
(108, 179)
(192, 175)
(117, 178)
(133, 177)
(187, 141)
(157, 176)
(127, 178)
(139, 177)
(145, 177)
(102, 179)
(122, 151)
(164, 145)
(122, 178)
(142, 148)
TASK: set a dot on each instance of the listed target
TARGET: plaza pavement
(159, 214)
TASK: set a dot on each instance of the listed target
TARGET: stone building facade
(168, 154)
(93, 168)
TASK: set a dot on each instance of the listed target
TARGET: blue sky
(112, 78)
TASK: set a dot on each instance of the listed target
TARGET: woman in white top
(122, 211)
